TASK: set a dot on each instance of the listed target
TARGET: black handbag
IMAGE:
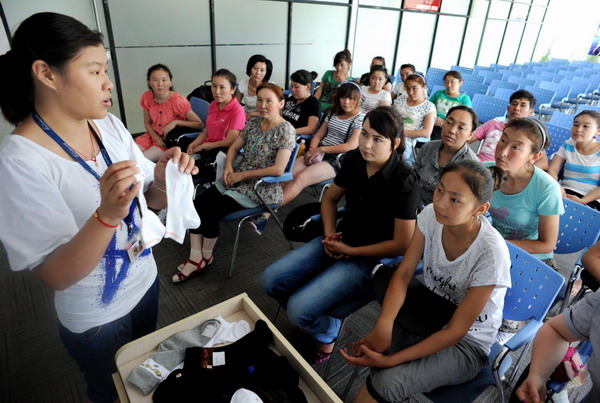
(424, 312)
(298, 225)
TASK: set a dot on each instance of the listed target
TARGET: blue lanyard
(44, 126)
(52, 134)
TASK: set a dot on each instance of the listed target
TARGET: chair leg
(277, 313)
(278, 221)
(337, 339)
(350, 382)
(235, 245)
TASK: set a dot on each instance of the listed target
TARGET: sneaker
(259, 223)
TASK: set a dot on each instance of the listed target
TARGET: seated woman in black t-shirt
(381, 193)
(301, 109)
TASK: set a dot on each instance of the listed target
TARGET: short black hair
(523, 94)
(259, 59)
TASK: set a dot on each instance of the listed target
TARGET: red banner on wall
(423, 5)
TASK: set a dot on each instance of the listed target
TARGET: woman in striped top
(580, 158)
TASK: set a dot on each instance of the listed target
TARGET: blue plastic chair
(523, 82)
(534, 286)
(437, 88)
(543, 96)
(562, 119)
(200, 108)
(504, 94)
(434, 80)
(558, 135)
(496, 84)
(473, 78)
(490, 76)
(488, 108)
(436, 71)
(582, 108)
(579, 229)
(242, 215)
(463, 70)
(471, 88)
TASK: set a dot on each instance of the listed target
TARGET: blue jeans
(308, 283)
(94, 350)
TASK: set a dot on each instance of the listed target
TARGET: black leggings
(211, 206)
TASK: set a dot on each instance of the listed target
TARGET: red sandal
(180, 277)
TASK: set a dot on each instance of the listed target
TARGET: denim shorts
(94, 350)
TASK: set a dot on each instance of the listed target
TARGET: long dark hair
(54, 38)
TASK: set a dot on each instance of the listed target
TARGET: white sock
(152, 229)
(181, 213)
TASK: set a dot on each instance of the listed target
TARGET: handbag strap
(350, 129)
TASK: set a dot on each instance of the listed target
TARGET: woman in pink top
(226, 118)
(164, 110)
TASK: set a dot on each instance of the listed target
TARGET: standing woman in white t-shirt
(259, 70)
(418, 113)
(68, 182)
(466, 262)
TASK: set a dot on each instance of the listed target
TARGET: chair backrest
(534, 286)
(436, 71)
(578, 87)
(475, 78)
(562, 90)
(543, 96)
(437, 88)
(434, 79)
(488, 108)
(504, 93)
(558, 135)
(489, 76)
(582, 108)
(471, 88)
(521, 81)
(462, 69)
(200, 108)
(579, 228)
(495, 84)
(562, 119)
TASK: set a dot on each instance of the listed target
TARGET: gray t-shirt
(486, 262)
(427, 165)
(583, 320)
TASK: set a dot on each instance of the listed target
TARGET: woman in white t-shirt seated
(374, 95)
(259, 70)
(418, 114)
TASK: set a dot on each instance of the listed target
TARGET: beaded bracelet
(97, 217)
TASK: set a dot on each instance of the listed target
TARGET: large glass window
(490, 43)
(528, 43)
(318, 33)
(510, 45)
(376, 32)
(416, 36)
(447, 41)
(455, 7)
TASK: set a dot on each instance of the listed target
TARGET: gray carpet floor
(35, 367)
